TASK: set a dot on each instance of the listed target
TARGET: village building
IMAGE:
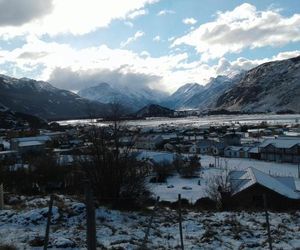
(281, 149)
(231, 139)
(248, 187)
(236, 152)
(150, 142)
(29, 144)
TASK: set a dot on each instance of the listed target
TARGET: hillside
(41, 99)
(154, 111)
(270, 87)
(10, 119)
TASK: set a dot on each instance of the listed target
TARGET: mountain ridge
(41, 99)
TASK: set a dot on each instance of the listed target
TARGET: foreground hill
(154, 110)
(10, 119)
(270, 87)
(42, 99)
(23, 224)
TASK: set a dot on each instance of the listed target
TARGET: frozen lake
(194, 121)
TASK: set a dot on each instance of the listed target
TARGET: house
(218, 149)
(9, 154)
(150, 142)
(236, 152)
(205, 146)
(281, 149)
(231, 139)
(254, 153)
(29, 144)
(248, 187)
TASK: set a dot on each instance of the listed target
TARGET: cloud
(165, 12)
(136, 36)
(44, 58)
(137, 13)
(226, 67)
(67, 78)
(62, 65)
(76, 17)
(16, 12)
(156, 38)
(189, 21)
(243, 27)
(32, 55)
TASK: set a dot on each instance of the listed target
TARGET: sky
(161, 44)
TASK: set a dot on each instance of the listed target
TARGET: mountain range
(269, 87)
(132, 98)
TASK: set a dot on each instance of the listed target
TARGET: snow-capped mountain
(42, 99)
(132, 98)
(196, 96)
(178, 99)
(270, 87)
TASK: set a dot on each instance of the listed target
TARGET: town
(214, 145)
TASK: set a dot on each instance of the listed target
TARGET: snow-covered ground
(194, 121)
(192, 191)
(21, 226)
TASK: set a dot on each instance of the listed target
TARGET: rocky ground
(22, 225)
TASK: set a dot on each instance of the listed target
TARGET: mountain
(41, 99)
(154, 110)
(10, 119)
(179, 98)
(270, 87)
(131, 98)
(195, 96)
(207, 98)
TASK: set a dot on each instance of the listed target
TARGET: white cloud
(226, 67)
(156, 38)
(130, 24)
(62, 63)
(189, 21)
(75, 16)
(136, 36)
(165, 12)
(137, 13)
(51, 56)
(243, 27)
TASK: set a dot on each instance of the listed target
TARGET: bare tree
(218, 188)
(115, 176)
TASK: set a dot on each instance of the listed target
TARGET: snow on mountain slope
(270, 87)
(131, 98)
(182, 95)
(196, 96)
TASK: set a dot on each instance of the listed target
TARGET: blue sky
(161, 44)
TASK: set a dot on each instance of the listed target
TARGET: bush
(162, 172)
(206, 204)
(7, 247)
(190, 168)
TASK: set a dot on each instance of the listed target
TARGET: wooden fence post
(90, 217)
(46, 240)
(1, 197)
(149, 225)
(180, 221)
(267, 222)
